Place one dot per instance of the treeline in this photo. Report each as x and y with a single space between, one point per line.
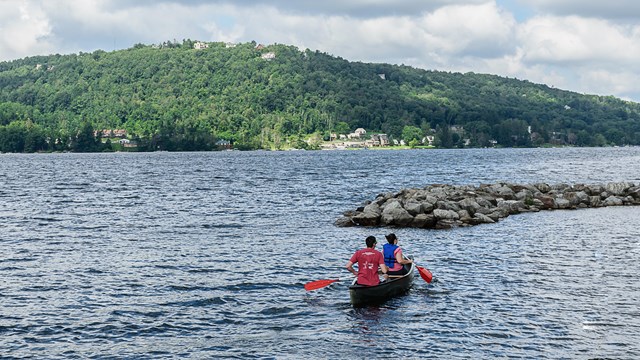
174 97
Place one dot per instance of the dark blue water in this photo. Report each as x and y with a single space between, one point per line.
204 255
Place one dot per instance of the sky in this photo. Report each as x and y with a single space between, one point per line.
586 46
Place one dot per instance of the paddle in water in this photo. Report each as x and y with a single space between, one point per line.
319 284
425 274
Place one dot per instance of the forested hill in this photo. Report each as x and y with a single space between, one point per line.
175 97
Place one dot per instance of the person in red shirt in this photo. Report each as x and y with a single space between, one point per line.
368 260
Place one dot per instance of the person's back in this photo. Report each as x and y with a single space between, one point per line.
390 251
368 260
393 257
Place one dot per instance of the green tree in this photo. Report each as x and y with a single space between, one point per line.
342 128
410 133
444 137
85 139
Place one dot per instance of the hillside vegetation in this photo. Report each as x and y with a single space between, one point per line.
174 97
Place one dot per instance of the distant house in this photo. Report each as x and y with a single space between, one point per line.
199 45
384 139
105 133
358 134
128 143
428 140
269 56
379 140
259 47
382 76
230 45
119 133
223 144
108 133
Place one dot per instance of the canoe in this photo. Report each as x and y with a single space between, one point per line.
365 295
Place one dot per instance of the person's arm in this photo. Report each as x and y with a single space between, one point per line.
351 269
401 260
385 269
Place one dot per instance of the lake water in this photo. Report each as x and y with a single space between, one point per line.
204 255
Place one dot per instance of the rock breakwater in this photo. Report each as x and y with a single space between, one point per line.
446 206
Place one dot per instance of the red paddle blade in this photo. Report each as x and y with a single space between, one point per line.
425 274
318 284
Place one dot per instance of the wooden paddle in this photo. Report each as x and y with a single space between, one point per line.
319 284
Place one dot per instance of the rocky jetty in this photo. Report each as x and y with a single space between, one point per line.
446 206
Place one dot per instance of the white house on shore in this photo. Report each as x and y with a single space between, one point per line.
358 134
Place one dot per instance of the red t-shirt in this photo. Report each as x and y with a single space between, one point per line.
368 261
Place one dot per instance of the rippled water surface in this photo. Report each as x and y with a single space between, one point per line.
204 255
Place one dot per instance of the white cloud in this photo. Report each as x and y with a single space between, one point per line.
24 29
574 40
469 30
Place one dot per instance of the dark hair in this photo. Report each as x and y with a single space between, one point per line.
391 238
370 240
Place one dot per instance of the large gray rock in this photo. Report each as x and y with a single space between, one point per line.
373 208
367 219
547 201
634 192
613 201
463 215
498 213
618 188
594 190
413 207
394 214
502 191
448 205
512 206
595 201
424 221
470 205
481 219
559 188
446 224
542 187
524 194
486 201
442 214
344 221
562 203
577 198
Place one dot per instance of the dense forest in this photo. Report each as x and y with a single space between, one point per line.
175 97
